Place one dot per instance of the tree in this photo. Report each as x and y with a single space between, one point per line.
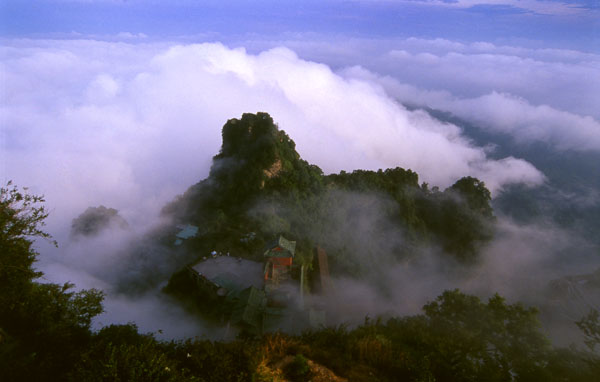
45 326
96 219
21 219
493 341
475 194
590 326
462 217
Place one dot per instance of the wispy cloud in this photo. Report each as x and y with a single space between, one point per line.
541 7
502 113
564 79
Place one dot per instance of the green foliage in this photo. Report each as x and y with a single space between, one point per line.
492 341
119 353
474 193
45 328
95 219
298 370
590 326
21 218
45 325
458 338
272 223
460 218
201 360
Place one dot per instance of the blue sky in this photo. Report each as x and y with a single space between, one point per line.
549 23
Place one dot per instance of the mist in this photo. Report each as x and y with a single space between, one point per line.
378 272
130 126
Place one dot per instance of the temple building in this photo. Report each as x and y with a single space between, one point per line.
279 256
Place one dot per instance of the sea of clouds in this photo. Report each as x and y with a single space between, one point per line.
130 125
90 122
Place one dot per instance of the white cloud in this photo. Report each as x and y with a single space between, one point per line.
130 36
529 123
534 94
104 87
129 126
561 84
501 112
541 7
563 79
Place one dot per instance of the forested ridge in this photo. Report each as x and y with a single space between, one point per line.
259 184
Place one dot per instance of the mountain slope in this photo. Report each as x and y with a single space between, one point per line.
259 186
